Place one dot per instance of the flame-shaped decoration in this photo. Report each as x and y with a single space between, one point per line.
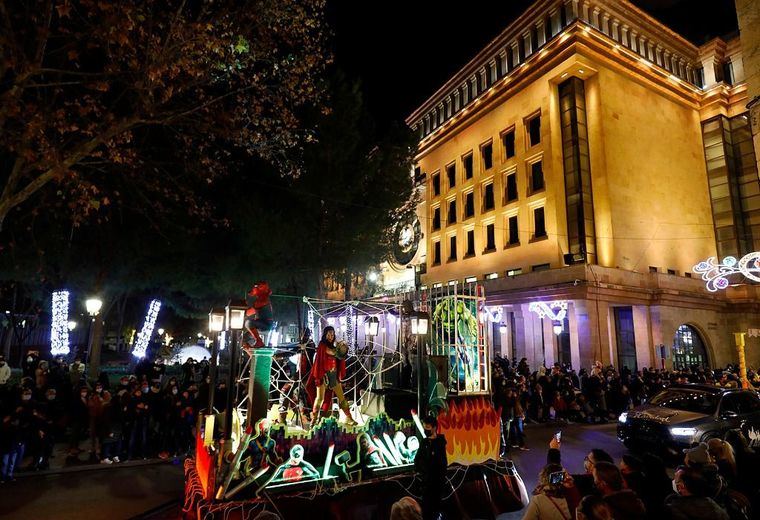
471 427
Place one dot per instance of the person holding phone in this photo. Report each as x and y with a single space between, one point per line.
550 498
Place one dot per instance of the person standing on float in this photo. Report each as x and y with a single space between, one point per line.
327 372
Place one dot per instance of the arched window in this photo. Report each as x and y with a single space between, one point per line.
688 348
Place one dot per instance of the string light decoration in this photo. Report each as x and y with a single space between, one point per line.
716 274
143 337
59 332
556 310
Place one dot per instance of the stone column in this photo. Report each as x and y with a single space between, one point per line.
593 332
572 319
643 336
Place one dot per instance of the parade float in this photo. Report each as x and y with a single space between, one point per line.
405 356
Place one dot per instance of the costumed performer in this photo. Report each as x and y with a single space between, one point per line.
259 315
327 372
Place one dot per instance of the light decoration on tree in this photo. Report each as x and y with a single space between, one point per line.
59 332
556 310
716 274
143 337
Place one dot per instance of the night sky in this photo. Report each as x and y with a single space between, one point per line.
402 51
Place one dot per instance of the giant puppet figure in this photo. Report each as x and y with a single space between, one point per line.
259 316
328 370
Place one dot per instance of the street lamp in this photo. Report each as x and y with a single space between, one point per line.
93 306
234 320
216 320
371 326
503 328
557 328
161 332
215 326
71 325
420 324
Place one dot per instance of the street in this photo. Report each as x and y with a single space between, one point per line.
125 492
116 493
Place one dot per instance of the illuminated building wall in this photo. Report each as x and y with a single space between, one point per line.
566 162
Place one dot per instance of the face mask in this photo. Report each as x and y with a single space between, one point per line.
675 486
144 389
2 363
29 359
51 398
428 432
26 397
98 390
83 395
174 391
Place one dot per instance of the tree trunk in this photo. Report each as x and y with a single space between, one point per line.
9 335
93 367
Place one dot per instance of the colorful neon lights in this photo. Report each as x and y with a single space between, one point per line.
716 274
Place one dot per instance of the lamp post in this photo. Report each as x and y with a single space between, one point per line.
233 323
93 306
215 326
419 323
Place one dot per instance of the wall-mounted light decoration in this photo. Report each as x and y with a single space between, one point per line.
716 274
555 311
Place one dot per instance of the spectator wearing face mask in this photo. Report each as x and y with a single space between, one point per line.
78 420
12 445
29 365
76 372
690 500
138 411
431 464
96 405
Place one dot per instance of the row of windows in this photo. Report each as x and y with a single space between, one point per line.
511 237
488 200
533 138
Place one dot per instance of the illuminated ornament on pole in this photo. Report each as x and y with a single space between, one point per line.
555 311
59 333
143 337
716 274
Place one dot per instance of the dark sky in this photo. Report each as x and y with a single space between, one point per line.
403 51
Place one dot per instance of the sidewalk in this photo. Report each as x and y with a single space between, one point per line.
61 462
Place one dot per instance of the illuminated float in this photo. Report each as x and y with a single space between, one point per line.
271 454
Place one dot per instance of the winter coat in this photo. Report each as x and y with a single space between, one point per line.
544 507
678 507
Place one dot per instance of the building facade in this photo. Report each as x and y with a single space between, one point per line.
579 167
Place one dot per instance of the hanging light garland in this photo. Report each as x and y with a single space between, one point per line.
556 310
59 332
143 337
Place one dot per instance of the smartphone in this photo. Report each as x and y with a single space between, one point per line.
556 478
558 435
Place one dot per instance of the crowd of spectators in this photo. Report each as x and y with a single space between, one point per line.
597 395
715 481
146 414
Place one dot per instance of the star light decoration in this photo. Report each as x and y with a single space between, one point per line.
556 310
59 333
143 337
716 274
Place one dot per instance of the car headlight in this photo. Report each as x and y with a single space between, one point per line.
623 417
683 432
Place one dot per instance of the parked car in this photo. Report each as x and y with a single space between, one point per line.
683 415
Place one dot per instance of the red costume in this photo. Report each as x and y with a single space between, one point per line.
323 363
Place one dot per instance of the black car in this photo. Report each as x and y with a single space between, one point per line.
683 415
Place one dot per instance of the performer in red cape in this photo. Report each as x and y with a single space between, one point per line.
259 316
327 372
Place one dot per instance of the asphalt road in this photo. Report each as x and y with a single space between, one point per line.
121 493
117 493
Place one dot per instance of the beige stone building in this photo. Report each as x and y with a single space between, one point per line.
591 156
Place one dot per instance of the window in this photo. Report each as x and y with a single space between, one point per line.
467 165
539 223
488 202
469 205
452 216
672 271
490 238
511 187
514 234
451 174
652 269
534 130
452 248
540 267
486 153
536 176
471 279
437 252
436 179
514 272
436 218
492 276
508 140
470 243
